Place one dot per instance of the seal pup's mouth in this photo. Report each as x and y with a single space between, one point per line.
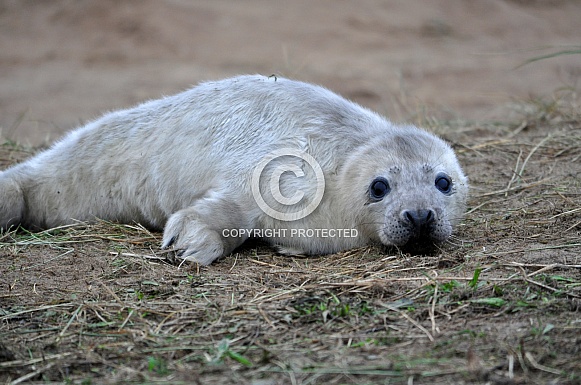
416 230
421 244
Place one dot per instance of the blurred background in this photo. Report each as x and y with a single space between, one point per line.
63 62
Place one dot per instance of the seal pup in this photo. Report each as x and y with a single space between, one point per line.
249 156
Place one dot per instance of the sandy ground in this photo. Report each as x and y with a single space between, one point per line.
63 62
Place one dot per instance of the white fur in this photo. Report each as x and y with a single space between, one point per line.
184 162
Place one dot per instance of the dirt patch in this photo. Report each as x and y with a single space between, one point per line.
500 304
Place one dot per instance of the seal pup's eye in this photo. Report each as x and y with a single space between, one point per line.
378 189
444 183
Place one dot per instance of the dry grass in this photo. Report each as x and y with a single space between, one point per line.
501 304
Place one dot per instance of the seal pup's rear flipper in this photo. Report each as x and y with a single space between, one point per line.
12 203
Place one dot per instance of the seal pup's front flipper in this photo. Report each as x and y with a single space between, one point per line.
200 233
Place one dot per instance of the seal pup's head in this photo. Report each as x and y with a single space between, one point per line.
408 187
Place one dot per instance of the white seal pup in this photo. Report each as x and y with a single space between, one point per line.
250 156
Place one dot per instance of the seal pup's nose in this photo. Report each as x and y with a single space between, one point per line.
418 219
